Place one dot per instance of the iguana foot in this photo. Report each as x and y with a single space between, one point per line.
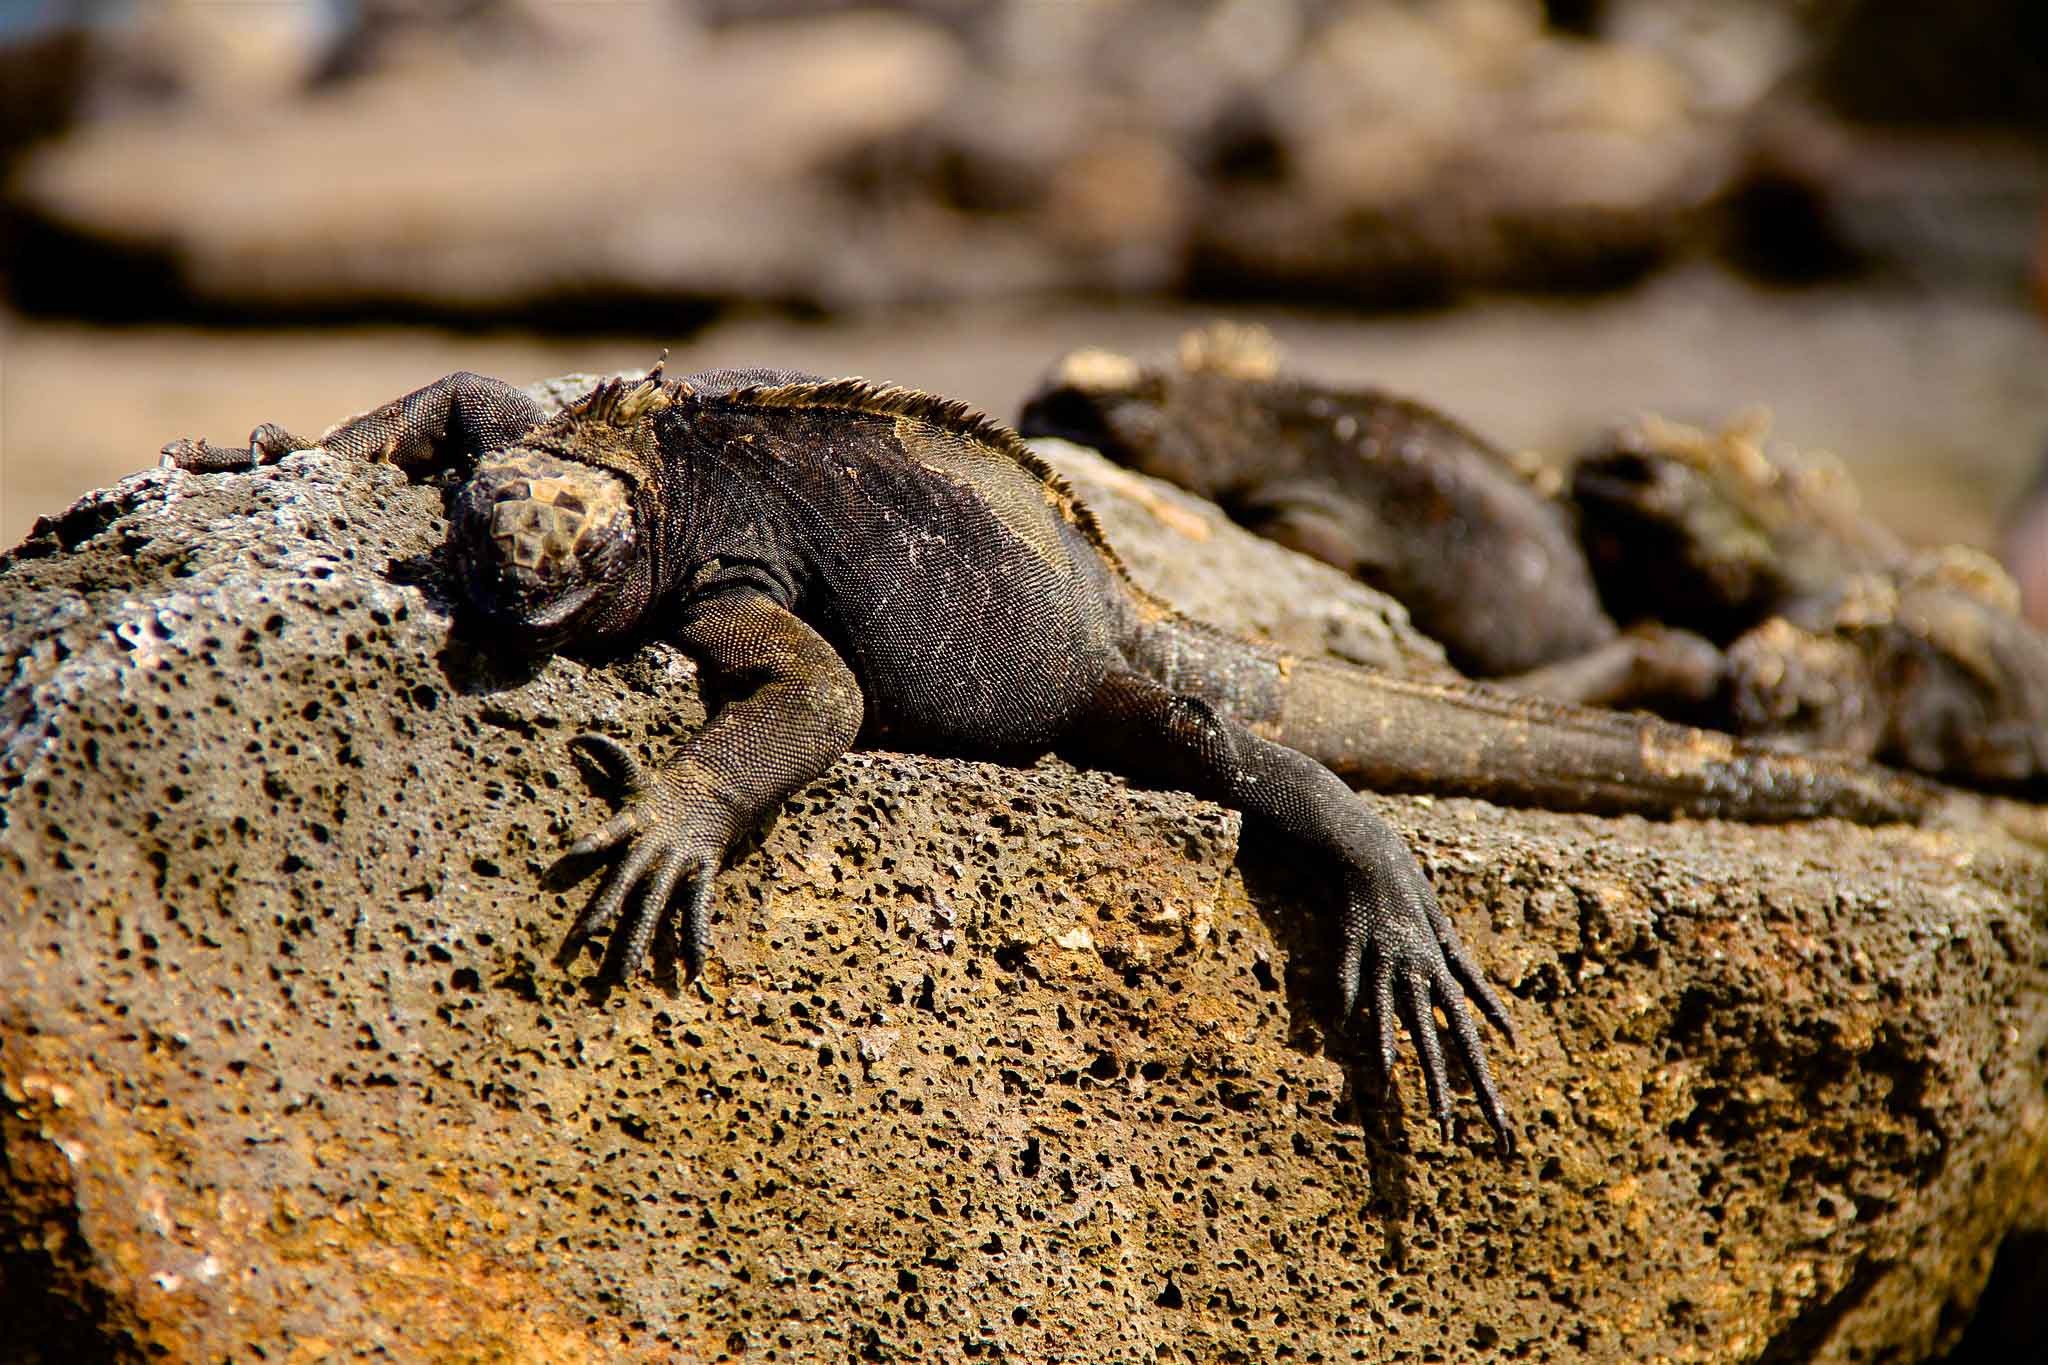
268 444
1400 950
674 829
1403 954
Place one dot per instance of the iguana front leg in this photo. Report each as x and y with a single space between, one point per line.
458 416
1400 951
793 707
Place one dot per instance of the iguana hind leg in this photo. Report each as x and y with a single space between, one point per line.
1400 950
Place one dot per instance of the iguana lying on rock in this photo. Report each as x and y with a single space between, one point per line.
847 561
1837 634
1390 491
1759 597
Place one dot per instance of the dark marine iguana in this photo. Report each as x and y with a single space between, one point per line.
848 561
1386 489
1759 597
1836 633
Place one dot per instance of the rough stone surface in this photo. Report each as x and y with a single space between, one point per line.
992 1063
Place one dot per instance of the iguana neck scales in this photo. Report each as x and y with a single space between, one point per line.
846 560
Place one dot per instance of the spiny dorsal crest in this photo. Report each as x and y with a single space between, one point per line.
949 415
607 427
890 400
1233 350
624 402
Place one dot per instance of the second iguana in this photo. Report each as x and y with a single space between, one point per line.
1757 594
847 561
1390 491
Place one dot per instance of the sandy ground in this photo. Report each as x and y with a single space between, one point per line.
1941 404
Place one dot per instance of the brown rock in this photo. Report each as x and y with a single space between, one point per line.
635 159
991 1062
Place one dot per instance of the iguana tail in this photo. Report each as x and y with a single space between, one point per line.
1454 738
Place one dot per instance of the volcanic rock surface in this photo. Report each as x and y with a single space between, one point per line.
991 1062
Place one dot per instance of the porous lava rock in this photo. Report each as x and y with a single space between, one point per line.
993 1062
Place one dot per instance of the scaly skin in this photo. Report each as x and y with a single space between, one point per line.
1837 635
1387 490
846 561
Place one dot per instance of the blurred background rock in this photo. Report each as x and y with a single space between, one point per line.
1541 216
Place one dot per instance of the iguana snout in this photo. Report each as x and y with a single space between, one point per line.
538 538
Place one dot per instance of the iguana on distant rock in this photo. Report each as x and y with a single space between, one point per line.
1390 491
1837 634
851 561
1759 597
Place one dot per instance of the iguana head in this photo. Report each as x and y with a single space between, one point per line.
549 536
1161 422
1710 530
544 545
1100 399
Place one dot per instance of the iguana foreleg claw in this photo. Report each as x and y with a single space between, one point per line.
674 829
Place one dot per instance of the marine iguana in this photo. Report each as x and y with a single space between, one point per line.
1759 597
1390 491
1836 633
850 561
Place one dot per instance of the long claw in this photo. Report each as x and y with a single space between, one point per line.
613 759
1384 1013
646 919
1466 974
1416 1014
1465 968
610 834
1473 1052
654 901
1350 971
604 911
696 920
